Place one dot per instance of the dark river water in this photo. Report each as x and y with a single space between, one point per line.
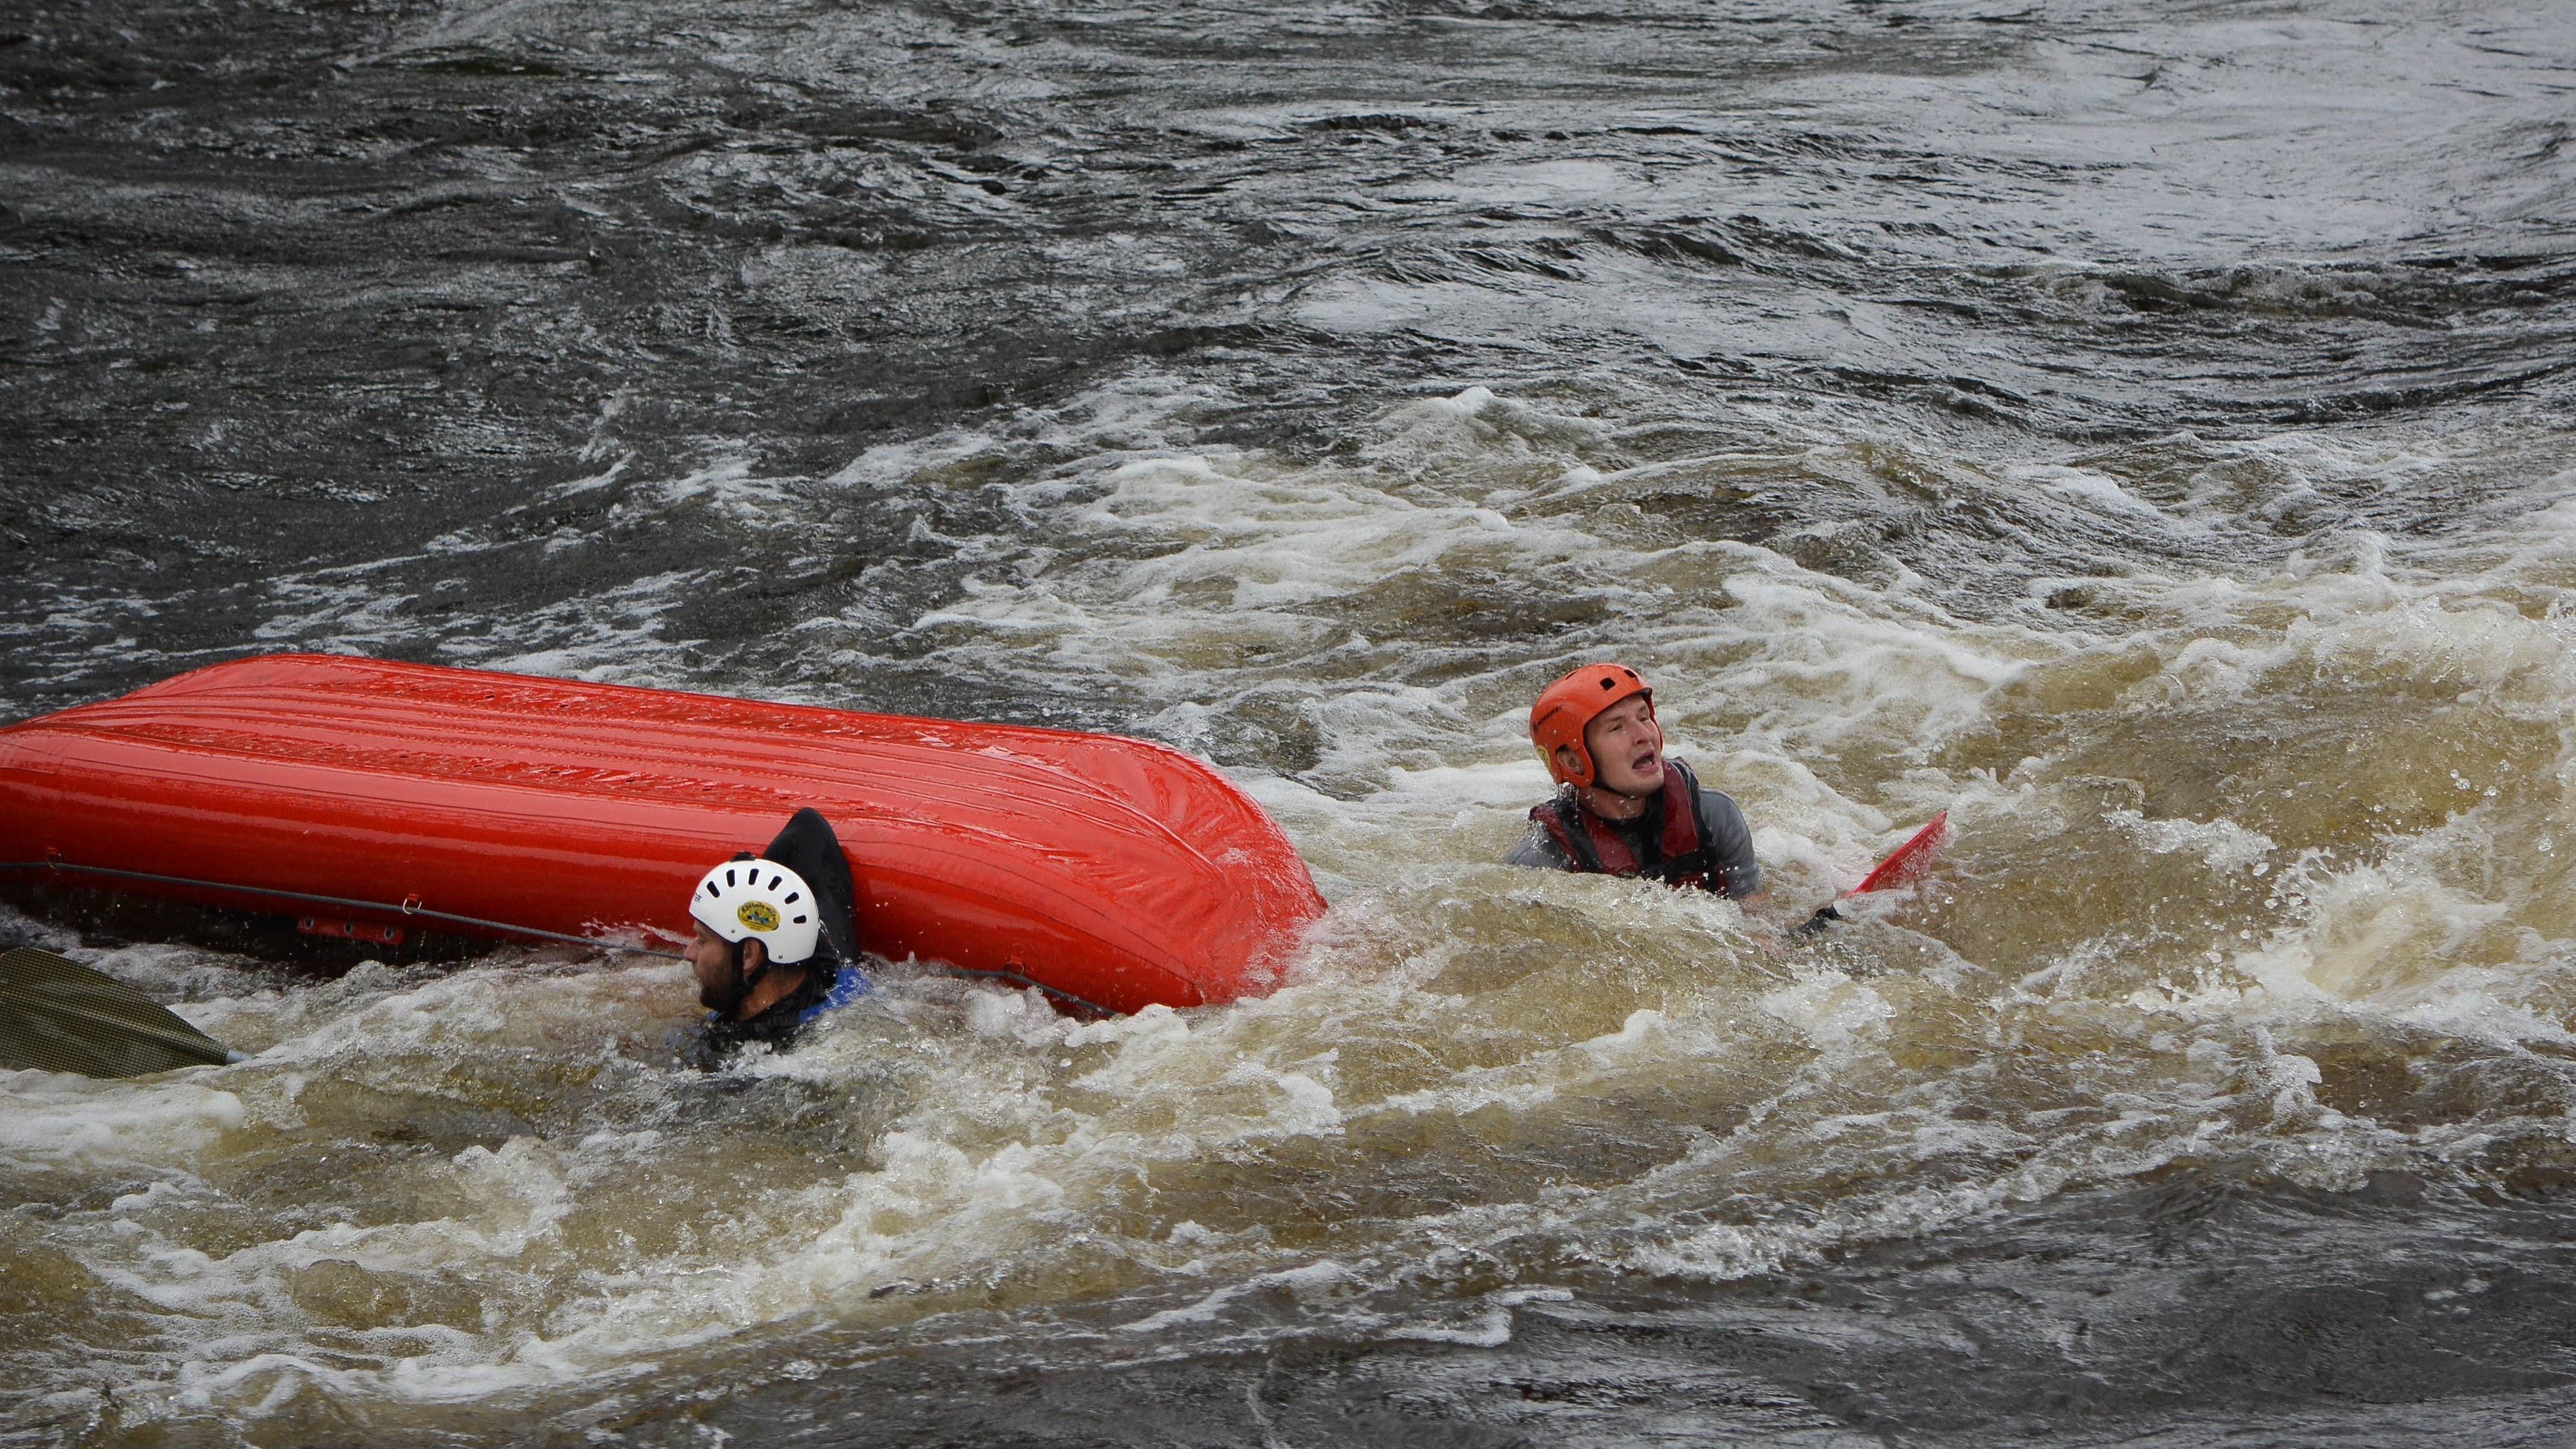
2141 429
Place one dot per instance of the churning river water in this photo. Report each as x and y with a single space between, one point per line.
2141 429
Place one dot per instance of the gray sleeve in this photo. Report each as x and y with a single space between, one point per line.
1537 848
1730 840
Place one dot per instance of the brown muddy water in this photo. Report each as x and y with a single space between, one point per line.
2142 430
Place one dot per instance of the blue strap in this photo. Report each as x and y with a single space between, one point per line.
847 987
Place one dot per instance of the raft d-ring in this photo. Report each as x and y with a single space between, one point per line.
411 905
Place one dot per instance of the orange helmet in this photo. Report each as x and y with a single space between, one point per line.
1565 707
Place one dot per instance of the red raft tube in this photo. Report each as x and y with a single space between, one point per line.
1113 873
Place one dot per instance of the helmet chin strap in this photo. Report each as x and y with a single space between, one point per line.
744 981
749 978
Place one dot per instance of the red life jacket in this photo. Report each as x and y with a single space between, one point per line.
1681 856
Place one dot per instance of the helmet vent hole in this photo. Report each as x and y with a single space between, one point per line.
774 880
792 896
1609 684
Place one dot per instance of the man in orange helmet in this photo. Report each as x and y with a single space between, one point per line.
1621 808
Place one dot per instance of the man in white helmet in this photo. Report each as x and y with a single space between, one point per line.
775 942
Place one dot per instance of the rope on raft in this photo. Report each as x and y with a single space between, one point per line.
421 912
407 908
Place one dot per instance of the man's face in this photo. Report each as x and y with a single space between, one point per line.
710 960
1627 747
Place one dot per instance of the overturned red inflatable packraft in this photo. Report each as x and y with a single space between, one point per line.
1112 872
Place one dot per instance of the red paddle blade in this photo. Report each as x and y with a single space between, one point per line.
1906 864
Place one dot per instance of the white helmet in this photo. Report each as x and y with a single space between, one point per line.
746 898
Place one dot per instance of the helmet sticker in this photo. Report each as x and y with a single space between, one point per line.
757 915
